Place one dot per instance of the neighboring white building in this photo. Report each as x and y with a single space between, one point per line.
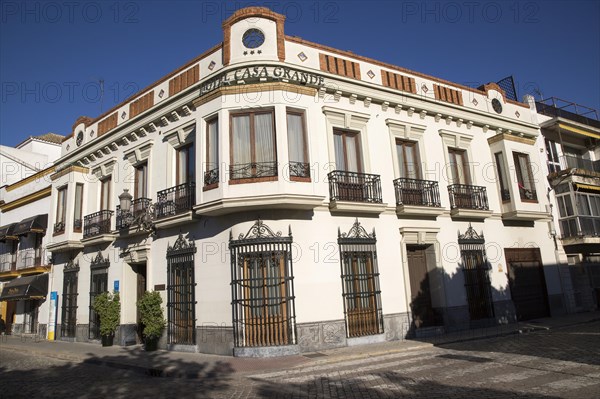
571 138
288 196
24 206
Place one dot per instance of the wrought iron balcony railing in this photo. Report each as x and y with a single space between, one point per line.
30 257
175 200
417 192
97 223
466 196
252 170
580 226
575 162
77 225
211 177
353 186
527 195
59 227
125 217
299 169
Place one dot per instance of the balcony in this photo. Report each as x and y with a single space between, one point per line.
125 217
352 191
30 258
97 228
211 178
467 201
417 197
175 200
59 228
555 107
248 172
568 162
299 171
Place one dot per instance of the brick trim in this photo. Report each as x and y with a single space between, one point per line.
141 104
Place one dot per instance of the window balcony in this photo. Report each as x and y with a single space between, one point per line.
417 197
8 262
581 228
30 258
175 200
253 170
299 171
468 201
97 224
59 228
211 178
125 217
575 162
352 191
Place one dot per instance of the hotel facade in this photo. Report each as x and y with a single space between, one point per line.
284 197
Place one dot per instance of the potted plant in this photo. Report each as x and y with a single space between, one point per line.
108 307
151 316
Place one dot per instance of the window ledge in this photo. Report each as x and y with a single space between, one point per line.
175 220
356 207
470 213
526 215
98 239
584 240
279 201
415 210
252 180
64 246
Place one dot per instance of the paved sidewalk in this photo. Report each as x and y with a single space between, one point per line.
198 365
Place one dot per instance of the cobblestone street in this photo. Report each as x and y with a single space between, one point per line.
559 363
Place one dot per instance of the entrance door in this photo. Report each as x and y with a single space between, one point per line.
31 316
420 305
11 310
141 288
527 283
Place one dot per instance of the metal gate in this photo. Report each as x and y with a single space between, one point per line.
262 284
69 300
98 285
476 271
181 302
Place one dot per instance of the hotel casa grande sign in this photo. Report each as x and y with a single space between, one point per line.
261 74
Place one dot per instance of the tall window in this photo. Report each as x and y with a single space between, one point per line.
105 193
253 152
360 282
181 300
524 177
476 270
459 166
61 210
262 288
297 147
408 159
552 156
141 180
211 174
69 300
77 216
98 284
347 151
186 164
502 177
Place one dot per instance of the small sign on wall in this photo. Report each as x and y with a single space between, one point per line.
159 287
116 286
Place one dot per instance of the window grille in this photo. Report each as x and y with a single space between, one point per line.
262 288
69 300
98 285
181 299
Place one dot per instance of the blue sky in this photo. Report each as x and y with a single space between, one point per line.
53 54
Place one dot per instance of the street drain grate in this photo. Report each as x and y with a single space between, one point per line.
314 355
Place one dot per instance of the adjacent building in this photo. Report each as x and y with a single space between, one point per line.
285 196
24 205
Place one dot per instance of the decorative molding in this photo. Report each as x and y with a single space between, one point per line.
70 169
260 230
356 232
38 176
71 266
182 244
470 236
28 199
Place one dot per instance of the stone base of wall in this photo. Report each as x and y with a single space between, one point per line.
126 335
505 312
456 318
267 351
323 335
214 339
557 305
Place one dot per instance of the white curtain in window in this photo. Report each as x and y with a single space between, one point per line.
265 142
340 164
182 156
351 154
295 138
212 156
411 166
524 167
241 140
78 200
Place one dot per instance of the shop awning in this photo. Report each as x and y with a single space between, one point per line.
587 187
35 224
7 232
30 287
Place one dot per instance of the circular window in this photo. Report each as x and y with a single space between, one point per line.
253 38
79 139
496 105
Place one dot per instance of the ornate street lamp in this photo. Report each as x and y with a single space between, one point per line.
143 216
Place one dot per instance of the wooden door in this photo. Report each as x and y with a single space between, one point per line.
421 308
527 283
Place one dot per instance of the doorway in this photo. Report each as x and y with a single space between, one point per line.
421 306
527 283
140 271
